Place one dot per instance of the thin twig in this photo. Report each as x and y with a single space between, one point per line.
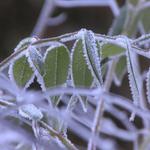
45 13
63 139
100 108
69 37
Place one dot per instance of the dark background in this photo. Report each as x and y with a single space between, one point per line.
18 18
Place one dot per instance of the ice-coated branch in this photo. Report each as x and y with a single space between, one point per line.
73 36
54 134
100 109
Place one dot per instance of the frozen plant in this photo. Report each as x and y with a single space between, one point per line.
71 79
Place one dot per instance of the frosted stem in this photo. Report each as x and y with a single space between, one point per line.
100 108
63 139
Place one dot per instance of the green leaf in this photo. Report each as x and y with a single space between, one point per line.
82 76
120 70
80 71
92 56
56 66
109 50
21 72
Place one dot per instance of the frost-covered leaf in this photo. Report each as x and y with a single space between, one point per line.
81 74
120 70
36 59
92 56
21 72
30 111
133 75
109 50
148 85
56 64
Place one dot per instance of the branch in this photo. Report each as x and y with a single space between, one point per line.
100 107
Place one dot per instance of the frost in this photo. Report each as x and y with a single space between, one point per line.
83 101
142 52
148 85
36 59
91 55
30 112
144 39
69 38
25 42
121 41
76 36
36 72
133 75
47 44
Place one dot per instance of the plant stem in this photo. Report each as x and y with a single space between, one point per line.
54 134
100 107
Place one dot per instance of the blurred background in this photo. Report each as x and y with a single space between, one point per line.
18 19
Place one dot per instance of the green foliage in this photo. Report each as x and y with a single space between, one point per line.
92 56
120 70
109 50
81 74
56 66
21 71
